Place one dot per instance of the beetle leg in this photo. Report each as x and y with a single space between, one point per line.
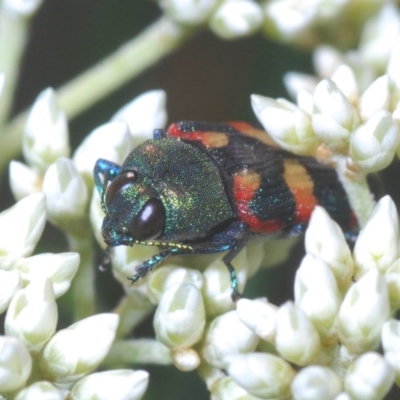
144 268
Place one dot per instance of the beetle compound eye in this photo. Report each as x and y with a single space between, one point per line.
122 181
150 221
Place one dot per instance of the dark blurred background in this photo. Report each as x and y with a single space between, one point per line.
207 79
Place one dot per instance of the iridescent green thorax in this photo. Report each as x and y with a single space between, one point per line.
189 184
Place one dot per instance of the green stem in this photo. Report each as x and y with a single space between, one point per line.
356 186
13 37
132 309
139 351
157 41
83 285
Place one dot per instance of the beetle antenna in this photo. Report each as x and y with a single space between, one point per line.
105 260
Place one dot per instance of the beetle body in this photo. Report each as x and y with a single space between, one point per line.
206 188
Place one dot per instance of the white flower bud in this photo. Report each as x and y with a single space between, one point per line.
343 396
346 82
180 317
378 37
295 82
66 194
392 276
316 383
288 21
375 98
29 215
324 239
296 338
111 141
58 268
185 359
217 287
10 283
374 143
227 335
15 364
259 316
391 345
370 377
77 350
191 12
227 389
364 310
317 294
122 384
305 101
168 275
327 60
96 216
377 245
144 114
45 138
393 65
21 8
287 124
42 390
23 180
236 18
333 118
32 315
262 375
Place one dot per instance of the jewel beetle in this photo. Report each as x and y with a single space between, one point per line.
201 188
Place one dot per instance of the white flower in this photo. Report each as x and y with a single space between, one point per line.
185 359
377 245
32 315
333 118
120 384
392 276
317 294
164 277
296 82
180 317
346 82
324 239
316 383
191 12
227 335
296 338
262 375
2 83
327 60
364 310
379 35
393 68
45 138
144 114
375 98
259 316
226 388
287 124
391 345
236 18
374 143
66 194
29 215
370 377
58 268
10 283
42 390
77 350
21 8
111 141
23 180
15 364
290 19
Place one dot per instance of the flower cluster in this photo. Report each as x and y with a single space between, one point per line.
34 358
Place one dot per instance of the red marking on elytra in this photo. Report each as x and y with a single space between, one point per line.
305 204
